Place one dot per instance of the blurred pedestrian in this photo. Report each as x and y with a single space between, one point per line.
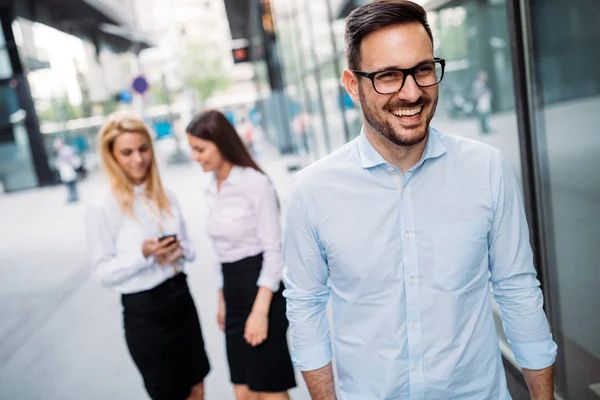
300 126
247 132
67 162
243 224
483 101
404 229
138 245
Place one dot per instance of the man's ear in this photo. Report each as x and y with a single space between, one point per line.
350 81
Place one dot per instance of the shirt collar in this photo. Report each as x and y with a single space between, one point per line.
139 190
235 176
369 157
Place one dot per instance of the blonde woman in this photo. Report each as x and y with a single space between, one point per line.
138 245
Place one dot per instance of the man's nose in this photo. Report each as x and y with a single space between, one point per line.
410 92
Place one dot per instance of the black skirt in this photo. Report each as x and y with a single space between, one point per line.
164 338
266 367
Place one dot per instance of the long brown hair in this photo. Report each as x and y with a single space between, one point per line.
213 126
115 125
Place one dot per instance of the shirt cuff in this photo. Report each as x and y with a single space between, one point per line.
144 262
218 275
271 284
188 253
535 355
313 357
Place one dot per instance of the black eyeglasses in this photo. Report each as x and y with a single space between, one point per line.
391 80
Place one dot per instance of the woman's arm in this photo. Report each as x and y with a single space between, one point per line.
269 281
109 268
269 233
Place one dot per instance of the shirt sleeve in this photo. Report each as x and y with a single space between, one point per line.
109 268
189 254
307 292
516 288
269 233
218 270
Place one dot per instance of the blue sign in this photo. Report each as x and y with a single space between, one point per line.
125 96
140 85
163 129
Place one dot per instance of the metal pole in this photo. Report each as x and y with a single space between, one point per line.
317 74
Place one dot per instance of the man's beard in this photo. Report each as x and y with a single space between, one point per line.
386 129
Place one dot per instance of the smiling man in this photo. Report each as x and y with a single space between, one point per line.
404 228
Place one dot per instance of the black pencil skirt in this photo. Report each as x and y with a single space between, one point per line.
164 338
266 367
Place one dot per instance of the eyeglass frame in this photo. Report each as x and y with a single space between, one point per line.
405 73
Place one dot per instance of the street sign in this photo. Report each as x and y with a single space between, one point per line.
125 96
140 85
163 129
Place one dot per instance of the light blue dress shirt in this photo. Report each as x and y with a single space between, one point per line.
407 260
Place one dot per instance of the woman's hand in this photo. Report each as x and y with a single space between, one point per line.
221 310
221 316
170 258
257 326
166 251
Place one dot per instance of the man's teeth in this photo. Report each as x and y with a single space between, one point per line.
407 112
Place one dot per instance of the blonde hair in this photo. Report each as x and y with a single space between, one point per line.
115 125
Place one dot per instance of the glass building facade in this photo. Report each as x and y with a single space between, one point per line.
17 163
25 153
539 62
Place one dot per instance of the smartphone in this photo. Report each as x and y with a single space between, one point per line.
167 236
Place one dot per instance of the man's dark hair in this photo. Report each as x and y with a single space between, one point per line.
377 15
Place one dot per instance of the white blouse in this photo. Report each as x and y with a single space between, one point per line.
115 240
244 221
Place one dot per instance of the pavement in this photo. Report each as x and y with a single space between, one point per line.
61 334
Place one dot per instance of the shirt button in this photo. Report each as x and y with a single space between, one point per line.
409 235
413 280
405 190
391 169
415 367
415 324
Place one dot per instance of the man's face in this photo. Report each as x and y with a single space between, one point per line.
403 118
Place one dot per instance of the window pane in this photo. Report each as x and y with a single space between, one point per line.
5 67
476 94
16 164
568 84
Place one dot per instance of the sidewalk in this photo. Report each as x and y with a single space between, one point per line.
60 332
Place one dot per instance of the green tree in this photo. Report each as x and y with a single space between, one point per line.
204 70
60 110
109 105
158 94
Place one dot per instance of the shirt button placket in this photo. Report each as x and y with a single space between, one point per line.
413 303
